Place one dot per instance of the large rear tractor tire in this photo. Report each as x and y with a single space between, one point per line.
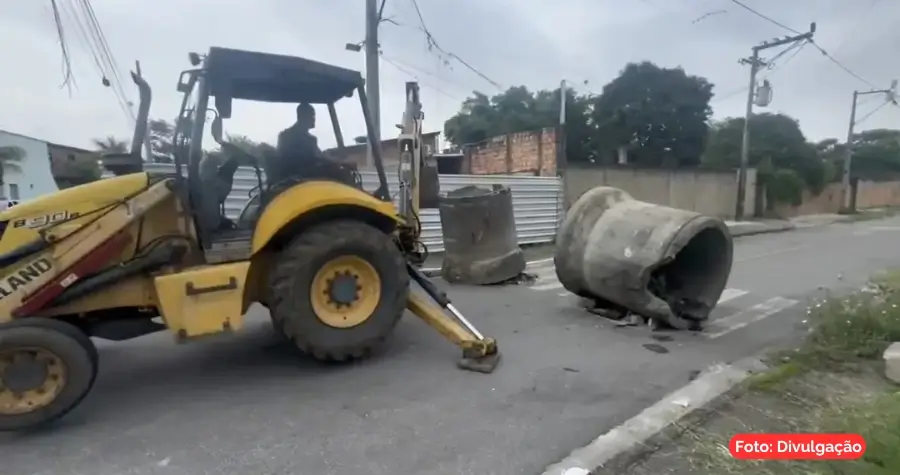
47 367
339 289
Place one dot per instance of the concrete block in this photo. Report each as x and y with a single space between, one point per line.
892 362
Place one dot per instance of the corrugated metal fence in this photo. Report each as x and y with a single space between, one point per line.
537 201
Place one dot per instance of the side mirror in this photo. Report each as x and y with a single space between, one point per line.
216 130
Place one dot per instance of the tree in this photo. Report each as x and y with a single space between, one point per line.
10 159
78 172
876 155
786 163
659 115
519 110
110 144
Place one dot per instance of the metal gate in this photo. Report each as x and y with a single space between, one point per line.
537 201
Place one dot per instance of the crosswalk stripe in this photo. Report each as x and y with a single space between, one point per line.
546 276
731 294
747 316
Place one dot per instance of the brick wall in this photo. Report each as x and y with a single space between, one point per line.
532 152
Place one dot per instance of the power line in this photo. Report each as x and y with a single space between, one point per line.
821 50
411 74
795 47
841 65
872 112
433 45
764 17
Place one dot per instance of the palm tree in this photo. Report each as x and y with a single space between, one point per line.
111 144
10 158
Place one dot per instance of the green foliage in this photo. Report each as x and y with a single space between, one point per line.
659 114
787 163
78 172
784 186
161 134
520 110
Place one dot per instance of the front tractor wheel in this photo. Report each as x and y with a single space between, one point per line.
339 289
47 367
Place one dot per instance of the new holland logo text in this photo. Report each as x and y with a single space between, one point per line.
23 276
41 221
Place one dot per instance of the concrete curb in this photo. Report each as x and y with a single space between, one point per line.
637 431
754 232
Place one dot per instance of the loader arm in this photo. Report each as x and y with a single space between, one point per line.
480 353
66 255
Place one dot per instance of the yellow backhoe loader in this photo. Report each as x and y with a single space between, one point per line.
332 263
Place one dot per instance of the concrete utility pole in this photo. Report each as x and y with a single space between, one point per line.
372 83
847 204
755 64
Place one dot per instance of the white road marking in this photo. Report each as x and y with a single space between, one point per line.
551 282
749 315
709 385
731 294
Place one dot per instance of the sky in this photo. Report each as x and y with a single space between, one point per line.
535 43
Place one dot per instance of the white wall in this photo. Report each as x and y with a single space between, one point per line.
32 174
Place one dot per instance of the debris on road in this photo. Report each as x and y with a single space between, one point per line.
667 265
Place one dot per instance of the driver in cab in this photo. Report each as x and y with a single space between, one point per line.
296 146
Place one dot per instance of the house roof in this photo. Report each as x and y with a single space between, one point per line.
51 144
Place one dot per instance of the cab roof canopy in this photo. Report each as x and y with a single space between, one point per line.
265 77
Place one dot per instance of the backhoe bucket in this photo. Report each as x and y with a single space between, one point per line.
662 263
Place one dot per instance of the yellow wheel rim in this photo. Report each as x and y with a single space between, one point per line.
345 292
30 379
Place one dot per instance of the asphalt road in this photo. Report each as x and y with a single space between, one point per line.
244 405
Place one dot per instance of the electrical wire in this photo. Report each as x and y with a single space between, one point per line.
841 65
821 50
764 17
81 13
872 112
771 65
433 45
407 70
68 79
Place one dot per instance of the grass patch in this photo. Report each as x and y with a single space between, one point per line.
832 383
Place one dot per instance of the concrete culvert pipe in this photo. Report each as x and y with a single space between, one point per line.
480 240
663 263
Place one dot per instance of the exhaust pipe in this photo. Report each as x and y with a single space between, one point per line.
131 162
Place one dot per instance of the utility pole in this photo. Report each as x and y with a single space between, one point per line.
372 84
755 64
847 204
561 161
848 157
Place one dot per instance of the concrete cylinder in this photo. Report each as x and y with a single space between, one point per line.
480 242
663 263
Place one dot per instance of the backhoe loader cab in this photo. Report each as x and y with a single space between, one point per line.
226 75
113 258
